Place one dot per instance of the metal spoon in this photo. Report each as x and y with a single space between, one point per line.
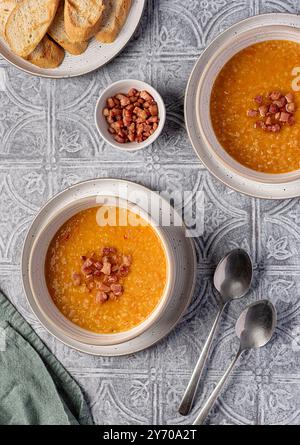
255 328
232 279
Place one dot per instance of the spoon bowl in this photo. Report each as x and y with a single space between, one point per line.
233 275
256 324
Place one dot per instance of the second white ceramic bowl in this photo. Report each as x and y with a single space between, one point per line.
123 86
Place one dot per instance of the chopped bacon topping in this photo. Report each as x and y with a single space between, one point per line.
103 273
117 289
275 111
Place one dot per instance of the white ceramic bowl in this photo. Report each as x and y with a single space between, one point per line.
197 106
123 86
37 282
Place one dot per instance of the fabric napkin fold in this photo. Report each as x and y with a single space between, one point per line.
35 389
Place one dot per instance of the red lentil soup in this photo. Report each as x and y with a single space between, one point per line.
106 279
245 84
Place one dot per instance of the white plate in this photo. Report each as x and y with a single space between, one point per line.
213 163
183 252
94 57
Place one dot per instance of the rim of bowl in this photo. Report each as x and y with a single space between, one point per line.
211 139
120 337
132 146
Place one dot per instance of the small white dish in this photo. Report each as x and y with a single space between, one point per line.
94 57
197 106
123 86
181 258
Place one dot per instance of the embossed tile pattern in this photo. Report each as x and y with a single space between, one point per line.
48 141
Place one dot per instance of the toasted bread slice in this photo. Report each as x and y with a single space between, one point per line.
58 33
6 7
47 54
114 17
28 23
83 18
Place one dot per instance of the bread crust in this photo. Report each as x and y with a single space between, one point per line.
81 32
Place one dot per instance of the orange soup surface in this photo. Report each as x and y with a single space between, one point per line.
256 71
142 287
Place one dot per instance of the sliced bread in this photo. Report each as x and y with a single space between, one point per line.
28 23
47 54
83 18
6 6
58 33
114 17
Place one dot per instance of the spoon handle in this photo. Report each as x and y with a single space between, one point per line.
189 395
216 392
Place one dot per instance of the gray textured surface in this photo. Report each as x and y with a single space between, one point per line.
48 140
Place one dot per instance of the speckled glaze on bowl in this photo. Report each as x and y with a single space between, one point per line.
197 106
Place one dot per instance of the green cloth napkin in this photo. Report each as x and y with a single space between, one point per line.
35 389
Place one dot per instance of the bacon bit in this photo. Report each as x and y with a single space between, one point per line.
108 250
273 108
83 257
257 124
277 116
124 100
274 114
91 285
284 117
112 296
276 128
153 110
291 120
280 102
250 113
258 99
112 279
268 121
98 265
103 287
263 109
88 262
132 92
110 102
101 297
117 289
146 96
76 277
123 270
86 270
